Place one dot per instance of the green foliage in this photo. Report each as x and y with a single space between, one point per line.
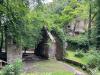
98 25
73 10
32 32
93 36
77 42
59 33
36 19
79 54
12 69
71 55
94 59
79 39
12 21
25 25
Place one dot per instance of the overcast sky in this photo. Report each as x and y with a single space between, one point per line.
32 3
47 1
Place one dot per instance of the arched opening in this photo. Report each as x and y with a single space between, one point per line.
50 46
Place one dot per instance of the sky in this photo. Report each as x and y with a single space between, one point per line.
32 3
48 1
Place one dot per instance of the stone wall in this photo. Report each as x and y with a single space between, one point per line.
50 46
59 49
14 52
52 50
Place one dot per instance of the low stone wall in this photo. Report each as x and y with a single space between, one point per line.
74 62
83 66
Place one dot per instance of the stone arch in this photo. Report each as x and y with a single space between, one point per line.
50 46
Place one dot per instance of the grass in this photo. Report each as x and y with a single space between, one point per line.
98 73
0 73
84 60
71 55
51 73
48 67
48 73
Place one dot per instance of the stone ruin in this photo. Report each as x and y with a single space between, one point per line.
50 46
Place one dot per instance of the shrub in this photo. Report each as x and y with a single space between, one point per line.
17 67
77 42
94 59
12 69
79 54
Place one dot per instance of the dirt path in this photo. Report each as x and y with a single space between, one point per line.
39 65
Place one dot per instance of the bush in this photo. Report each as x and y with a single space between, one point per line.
79 39
94 59
77 42
79 54
12 69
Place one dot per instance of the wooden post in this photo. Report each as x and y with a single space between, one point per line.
0 64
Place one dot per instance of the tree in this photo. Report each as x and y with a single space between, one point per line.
1 28
92 14
12 20
89 26
98 25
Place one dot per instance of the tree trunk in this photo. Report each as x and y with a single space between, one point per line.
89 26
98 26
1 44
6 28
6 41
74 28
1 29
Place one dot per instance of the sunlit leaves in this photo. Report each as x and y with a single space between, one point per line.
75 9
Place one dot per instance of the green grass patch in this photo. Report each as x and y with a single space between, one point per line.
71 55
48 67
98 73
50 73
0 73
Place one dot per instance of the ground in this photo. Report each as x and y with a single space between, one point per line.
49 66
